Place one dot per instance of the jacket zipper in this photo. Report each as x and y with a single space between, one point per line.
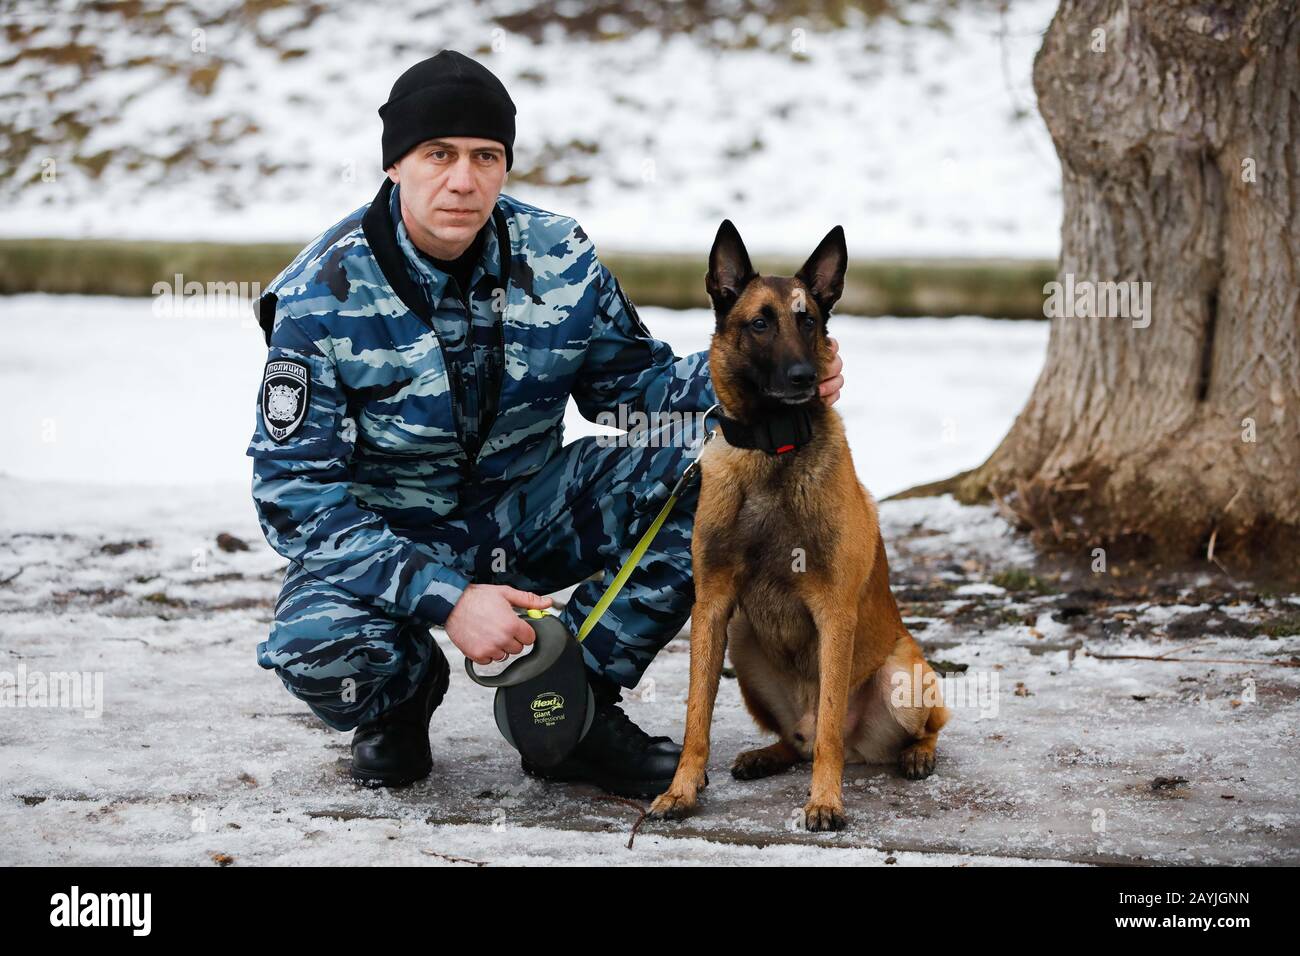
469 341
501 377
503 267
449 369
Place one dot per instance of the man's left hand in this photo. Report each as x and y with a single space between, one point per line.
833 382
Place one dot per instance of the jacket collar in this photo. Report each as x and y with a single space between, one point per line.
785 431
384 245
422 268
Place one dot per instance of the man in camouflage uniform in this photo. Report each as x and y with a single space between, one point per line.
408 455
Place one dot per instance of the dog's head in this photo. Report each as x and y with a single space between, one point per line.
769 347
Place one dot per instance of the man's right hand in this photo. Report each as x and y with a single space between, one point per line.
484 625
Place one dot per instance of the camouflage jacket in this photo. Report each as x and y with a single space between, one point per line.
357 456
466 323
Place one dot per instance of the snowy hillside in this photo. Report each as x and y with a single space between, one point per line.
242 120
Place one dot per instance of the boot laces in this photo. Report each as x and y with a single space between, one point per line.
621 725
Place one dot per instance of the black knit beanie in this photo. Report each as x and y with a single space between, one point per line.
446 95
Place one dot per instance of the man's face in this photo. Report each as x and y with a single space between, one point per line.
449 187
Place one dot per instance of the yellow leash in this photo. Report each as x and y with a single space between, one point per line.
638 552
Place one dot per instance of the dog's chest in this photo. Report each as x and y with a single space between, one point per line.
777 544
772 548
779 540
768 540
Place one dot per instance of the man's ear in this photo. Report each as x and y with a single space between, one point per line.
729 269
392 174
823 273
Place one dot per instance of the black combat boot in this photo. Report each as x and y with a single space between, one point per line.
616 755
393 749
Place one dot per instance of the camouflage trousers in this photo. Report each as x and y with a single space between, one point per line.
577 516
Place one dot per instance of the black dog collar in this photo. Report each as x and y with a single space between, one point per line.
787 431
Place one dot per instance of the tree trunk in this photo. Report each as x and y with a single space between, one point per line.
1178 155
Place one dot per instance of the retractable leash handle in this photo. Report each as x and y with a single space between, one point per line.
544 706
548 643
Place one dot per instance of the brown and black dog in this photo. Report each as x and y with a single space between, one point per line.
789 565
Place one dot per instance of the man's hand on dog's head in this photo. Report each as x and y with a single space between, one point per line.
834 381
483 624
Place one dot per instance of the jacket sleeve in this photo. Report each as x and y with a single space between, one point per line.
626 365
302 493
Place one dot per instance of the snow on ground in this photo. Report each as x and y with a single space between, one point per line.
197 755
241 122
110 565
101 389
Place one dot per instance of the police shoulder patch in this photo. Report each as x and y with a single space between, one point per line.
286 394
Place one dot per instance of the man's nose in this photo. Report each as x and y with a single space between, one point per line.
461 179
800 375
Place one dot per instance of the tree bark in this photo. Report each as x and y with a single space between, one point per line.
1138 438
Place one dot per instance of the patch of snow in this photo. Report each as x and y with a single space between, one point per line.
107 389
198 752
981 587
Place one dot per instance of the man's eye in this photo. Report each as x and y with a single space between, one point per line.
487 157
438 154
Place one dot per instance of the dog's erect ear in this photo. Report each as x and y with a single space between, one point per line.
823 273
729 269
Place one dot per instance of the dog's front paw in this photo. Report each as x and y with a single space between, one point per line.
823 816
917 763
671 805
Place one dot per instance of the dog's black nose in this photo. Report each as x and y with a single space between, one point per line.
801 375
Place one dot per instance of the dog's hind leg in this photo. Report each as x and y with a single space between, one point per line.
764 761
926 715
917 761
902 712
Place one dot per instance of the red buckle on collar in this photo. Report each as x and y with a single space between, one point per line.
784 448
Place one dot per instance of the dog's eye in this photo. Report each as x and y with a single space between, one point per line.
809 320
758 325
